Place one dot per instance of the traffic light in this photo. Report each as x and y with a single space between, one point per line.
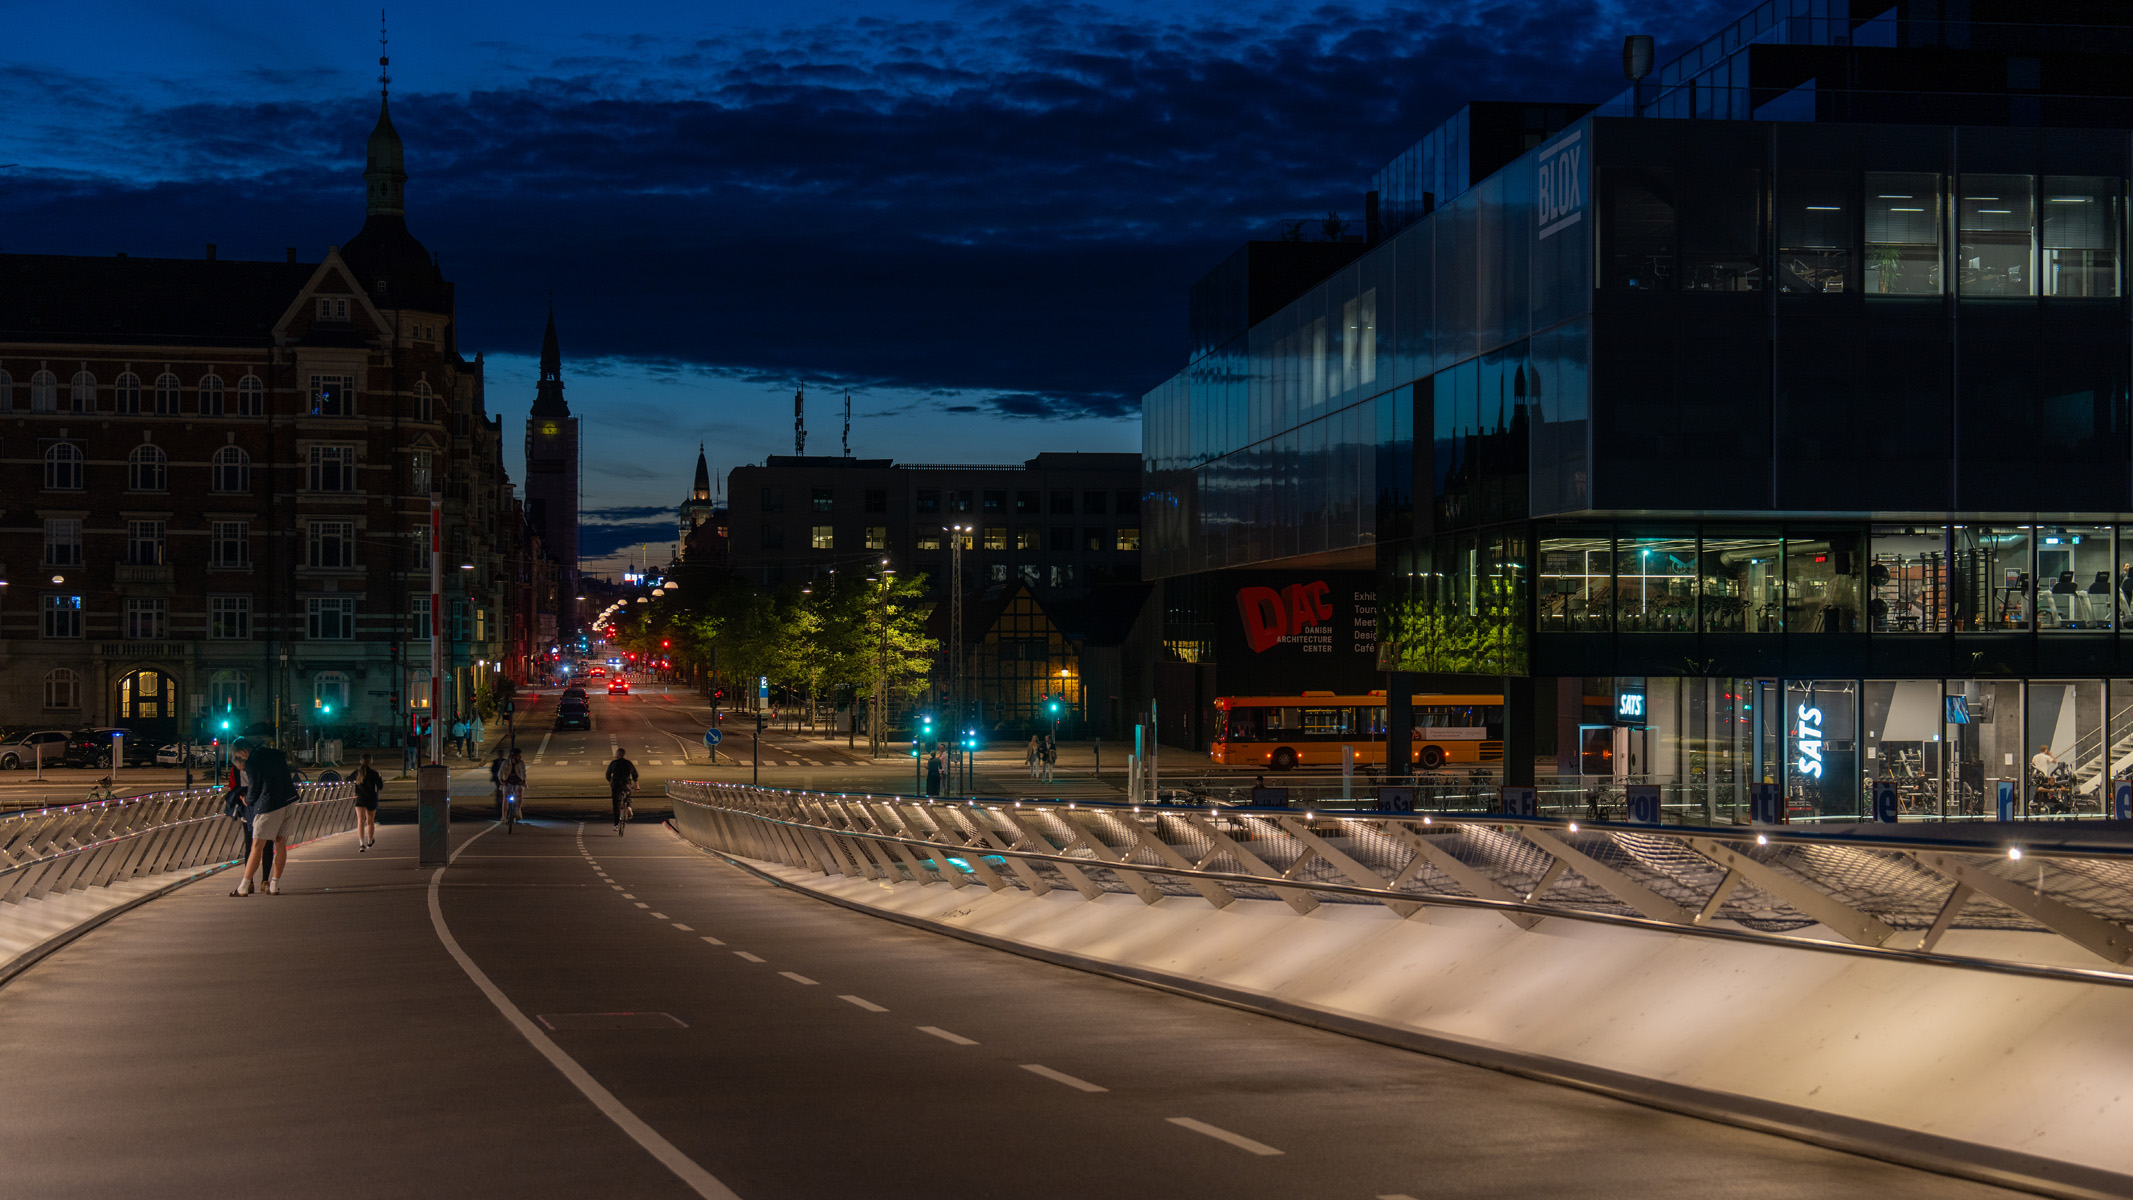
1051 706
665 644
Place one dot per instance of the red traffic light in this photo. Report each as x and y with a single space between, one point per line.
664 644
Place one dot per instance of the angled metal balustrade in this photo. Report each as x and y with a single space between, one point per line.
1876 896
52 851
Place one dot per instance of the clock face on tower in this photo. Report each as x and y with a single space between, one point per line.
550 429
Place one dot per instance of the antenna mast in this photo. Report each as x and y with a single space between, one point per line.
847 422
384 61
799 422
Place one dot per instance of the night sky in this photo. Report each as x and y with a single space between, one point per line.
981 218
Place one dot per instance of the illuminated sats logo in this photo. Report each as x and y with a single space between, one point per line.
1807 743
1630 705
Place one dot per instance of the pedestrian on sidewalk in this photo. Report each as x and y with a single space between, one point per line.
1050 754
270 800
458 739
621 780
368 784
1030 756
933 774
238 809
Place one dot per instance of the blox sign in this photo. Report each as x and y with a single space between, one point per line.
1559 184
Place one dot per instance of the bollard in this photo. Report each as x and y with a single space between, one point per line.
433 812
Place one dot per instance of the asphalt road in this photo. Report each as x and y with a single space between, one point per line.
328 1043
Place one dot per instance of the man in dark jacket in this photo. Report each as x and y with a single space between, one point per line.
269 803
621 780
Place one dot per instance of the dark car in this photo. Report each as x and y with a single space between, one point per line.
572 714
573 693
92 748
21 749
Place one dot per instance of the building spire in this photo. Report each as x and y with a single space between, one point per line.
385 159
548 393
702 489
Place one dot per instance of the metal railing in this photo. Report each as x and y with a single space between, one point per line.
1883 896
46 852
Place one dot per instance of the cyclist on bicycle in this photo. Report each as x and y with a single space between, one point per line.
621 781
512 782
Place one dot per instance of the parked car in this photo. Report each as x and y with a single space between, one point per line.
176 754
92 748
21 750
618 686
573 716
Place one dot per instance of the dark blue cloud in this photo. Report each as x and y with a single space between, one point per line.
1008 206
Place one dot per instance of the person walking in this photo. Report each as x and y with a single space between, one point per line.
368 784
269 801
1030 756
457 742
1050 754
514 783
933 774
477 735
621 781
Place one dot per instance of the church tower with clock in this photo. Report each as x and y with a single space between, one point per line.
552 479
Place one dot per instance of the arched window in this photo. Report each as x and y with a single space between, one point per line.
425 402
211 396
62 689
7 392
62 468
418 685
44 392
148 469
83 398
166 395
230 470
227 691
251 397
126 393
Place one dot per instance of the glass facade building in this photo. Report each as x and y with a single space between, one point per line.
1793 380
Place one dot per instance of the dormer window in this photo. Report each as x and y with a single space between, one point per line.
333 308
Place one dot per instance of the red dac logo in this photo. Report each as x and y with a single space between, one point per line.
1270 615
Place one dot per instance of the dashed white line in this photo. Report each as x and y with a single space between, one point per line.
1220 1134
868 1005
628 896
616 886
714 941
748 956
1062 1077
683 928
953 1038
1397 1196
798 978
661 917
642 904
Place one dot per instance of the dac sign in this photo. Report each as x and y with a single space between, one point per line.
1559 185
1270 616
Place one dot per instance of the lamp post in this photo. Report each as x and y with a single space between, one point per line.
955 647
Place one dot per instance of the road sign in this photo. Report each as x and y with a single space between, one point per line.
1643 803
1885 801
713 737
762 687
1766 804
1520 802
2122 801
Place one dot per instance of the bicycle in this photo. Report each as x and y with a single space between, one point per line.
512 815
628 813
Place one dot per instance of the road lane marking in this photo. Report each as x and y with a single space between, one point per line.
1220 1134
868 1005
616 886
1062 1077
683 928
749 957
944 1035
662 916
1397 1196
628 896
702 1182
714 941
798 978
642 904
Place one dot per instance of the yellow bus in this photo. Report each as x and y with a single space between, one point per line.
1286 731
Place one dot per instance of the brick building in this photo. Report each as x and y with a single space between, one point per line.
217 476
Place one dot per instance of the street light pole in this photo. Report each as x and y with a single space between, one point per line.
955 649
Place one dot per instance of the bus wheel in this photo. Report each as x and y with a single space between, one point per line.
1284 759
1432 758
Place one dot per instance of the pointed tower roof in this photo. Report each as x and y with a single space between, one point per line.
702 489
389 263
548 394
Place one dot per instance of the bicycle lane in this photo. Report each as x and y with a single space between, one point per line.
794 1049
321 1041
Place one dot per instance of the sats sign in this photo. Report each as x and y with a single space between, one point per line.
1291 612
